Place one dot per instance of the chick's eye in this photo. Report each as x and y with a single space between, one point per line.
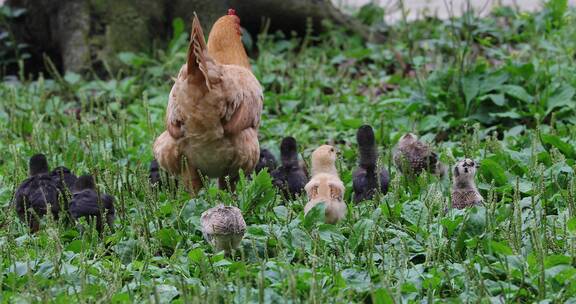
332 150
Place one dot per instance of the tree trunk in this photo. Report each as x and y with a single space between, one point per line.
83 35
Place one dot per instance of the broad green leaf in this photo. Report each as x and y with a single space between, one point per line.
315 215
470 87
517 92
75 246
554 260
361 231
281 212
356 279
499 248
571 225
555 141
329 233
382 296
492 171
497 99
168 237
299 239
196 255
493 82
122 297
166 293
564 97
451 224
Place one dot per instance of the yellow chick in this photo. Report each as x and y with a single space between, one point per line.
325 185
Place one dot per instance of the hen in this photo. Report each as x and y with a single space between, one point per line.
325 185
213 111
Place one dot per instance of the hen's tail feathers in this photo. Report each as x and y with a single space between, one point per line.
197 67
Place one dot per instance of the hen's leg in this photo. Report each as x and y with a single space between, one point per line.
192 179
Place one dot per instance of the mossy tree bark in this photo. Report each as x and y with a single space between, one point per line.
83 35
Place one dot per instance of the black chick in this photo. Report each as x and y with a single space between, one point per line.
36 194
89 204
291 176
65 180
160 179
267 160
367 179
155 176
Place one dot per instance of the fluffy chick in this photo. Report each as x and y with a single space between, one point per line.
325 185
89 204
37 194
367 179
291 177
464 191
223 227
65 180
155 177
412 157
267 160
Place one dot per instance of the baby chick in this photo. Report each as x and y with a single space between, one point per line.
325 185
367 179
65 180
154 176
412 157
223 227
291 177
267 160
36 194
88 203
464 191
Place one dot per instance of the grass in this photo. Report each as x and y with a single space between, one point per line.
498 89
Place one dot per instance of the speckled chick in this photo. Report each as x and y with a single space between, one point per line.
89 204
325 185
367 179
37 194
412 157
223 227
464 191
291 177
267 160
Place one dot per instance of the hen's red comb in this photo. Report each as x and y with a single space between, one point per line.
231 12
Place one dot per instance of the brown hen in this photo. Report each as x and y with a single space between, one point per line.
213 111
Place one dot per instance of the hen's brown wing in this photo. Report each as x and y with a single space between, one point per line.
244 101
